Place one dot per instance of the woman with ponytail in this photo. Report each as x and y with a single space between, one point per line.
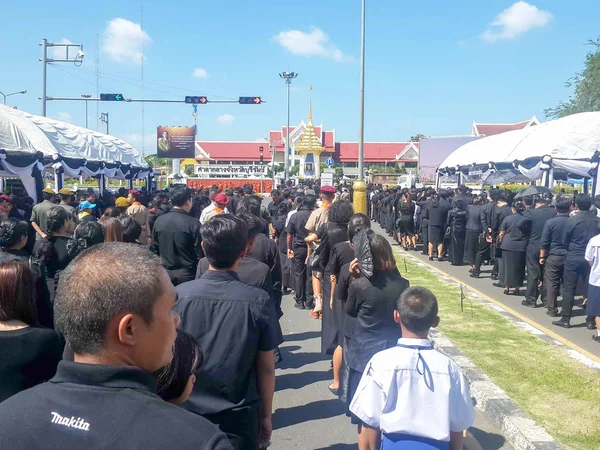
52 250
86 235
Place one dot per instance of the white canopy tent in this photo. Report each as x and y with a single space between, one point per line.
571 144
71 150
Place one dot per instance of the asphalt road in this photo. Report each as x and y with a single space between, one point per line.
578 334
306 415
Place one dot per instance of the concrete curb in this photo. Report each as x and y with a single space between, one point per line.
519 429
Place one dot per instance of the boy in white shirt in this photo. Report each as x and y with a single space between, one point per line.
414 395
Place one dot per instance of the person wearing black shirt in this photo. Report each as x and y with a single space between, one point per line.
501 212
121 327
553 252
436 215
513 239
457 221
298 250
473 231
579 230
52 249
487 241
539 216
29 354
372 301
424 205
280 238
176 238
235 385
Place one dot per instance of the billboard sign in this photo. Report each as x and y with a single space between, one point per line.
175 142
222 170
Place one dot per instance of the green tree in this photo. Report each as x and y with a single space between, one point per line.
295 169
586 87
155 161
278 169
189 170
339 173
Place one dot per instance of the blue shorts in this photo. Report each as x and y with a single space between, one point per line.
408 442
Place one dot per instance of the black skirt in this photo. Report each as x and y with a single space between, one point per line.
407 226
471 246
436 234
329 327
287 277
514 267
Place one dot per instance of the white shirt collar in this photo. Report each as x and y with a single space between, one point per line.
417 342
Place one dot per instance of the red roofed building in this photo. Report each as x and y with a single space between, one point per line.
490 129
311 146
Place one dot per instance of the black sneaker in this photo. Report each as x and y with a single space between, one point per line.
563 323
300 305
596 338
590 325
309 305
529 304
498 284
474 275
553 313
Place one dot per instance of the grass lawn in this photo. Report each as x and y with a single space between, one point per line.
559 393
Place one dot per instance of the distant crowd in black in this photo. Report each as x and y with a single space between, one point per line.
534 241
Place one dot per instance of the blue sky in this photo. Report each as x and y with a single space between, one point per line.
432 65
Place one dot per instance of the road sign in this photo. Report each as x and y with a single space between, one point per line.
196 100
250 101
329 161
112 97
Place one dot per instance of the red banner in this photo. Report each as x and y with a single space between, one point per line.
224 183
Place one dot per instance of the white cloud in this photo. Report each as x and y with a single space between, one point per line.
315 42
61 52
200 73
515 20
123 40
147 143
64 117
225 119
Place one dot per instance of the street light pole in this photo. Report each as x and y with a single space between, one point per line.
12 93
360 195
86 96
288 77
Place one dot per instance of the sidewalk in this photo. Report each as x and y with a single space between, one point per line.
307 416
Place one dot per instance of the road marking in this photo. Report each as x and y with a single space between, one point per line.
508 309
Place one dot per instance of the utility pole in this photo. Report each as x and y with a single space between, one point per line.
77 60
104 118
288 77
360 194
86 96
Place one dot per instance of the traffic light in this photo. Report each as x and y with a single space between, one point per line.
196 100
250 101
262 161
112 97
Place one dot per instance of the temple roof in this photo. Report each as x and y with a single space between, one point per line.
310 142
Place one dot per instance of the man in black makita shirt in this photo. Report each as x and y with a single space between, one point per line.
539 216
121 327
553 252
176 238
579 230
297 248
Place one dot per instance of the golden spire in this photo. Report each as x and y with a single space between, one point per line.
310 104
310 142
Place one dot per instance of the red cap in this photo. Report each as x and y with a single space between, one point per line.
134 192
5 198
221 199
328 189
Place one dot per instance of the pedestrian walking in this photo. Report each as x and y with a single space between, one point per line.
513 239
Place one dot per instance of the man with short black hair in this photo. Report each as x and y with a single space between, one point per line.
298 250
236 383
114 306
579 230
553 252
540 215
176 238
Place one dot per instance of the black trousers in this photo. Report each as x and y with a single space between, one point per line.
241 425
300 273
576 269
425 235
553 273
179 276
535 275
485 248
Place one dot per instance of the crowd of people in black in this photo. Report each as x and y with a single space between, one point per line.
146 321
533 241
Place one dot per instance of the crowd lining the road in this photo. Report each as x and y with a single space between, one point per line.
139 321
